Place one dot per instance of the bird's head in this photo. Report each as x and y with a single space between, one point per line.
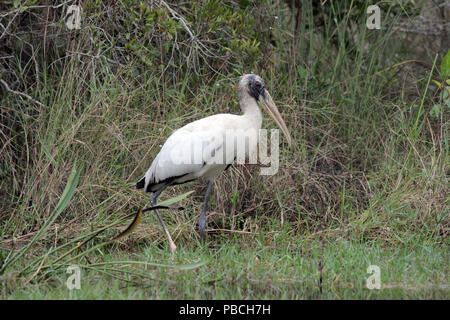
252 85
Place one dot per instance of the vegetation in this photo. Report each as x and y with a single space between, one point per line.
84 111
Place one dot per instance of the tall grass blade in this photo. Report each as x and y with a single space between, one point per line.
63 202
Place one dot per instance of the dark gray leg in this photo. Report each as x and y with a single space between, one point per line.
202 219
153 198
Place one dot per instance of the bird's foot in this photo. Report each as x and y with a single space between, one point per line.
173 247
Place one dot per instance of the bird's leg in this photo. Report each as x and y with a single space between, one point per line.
153 198
202 219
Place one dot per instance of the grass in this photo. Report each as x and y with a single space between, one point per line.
365 183
264 266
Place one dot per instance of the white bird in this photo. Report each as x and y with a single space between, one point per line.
199 149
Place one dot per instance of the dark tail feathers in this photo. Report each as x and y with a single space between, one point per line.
140 184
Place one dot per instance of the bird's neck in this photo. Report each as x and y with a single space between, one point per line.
251 111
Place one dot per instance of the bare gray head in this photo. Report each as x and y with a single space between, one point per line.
251 85
251 90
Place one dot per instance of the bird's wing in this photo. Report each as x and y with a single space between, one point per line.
189 149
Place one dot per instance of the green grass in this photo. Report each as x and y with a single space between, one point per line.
243 267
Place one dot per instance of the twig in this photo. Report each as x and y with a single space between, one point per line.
10 21
34 7
20 93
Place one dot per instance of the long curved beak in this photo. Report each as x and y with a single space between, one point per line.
273 112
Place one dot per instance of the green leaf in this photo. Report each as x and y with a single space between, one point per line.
171 201
438 84
445 65
302 72
348 100
435 111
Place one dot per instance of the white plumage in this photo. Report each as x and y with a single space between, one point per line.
200 149
209 136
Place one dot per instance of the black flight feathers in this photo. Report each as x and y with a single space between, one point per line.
140 184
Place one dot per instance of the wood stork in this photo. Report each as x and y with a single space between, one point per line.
207 136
